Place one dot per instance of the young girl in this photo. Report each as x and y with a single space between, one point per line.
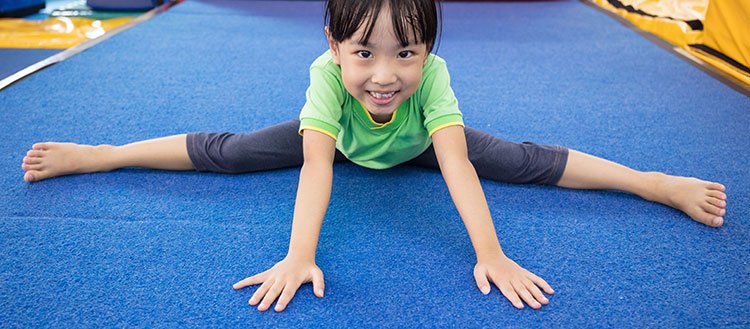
378 98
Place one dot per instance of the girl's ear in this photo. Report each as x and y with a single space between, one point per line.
334 47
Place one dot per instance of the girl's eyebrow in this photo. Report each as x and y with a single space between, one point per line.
370 44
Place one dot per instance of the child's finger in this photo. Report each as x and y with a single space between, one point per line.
510 294
271 295
286 295
526 295
250 281
535 292
540 282
318 282
260 292
480 276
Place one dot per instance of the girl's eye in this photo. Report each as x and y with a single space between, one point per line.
405 54
364 54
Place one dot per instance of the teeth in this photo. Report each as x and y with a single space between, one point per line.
381 96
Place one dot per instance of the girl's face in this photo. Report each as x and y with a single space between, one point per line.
380 74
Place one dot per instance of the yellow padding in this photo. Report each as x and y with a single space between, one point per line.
710 59
727 29
686 10
58 32
675 31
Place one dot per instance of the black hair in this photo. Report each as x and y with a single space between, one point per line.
418 18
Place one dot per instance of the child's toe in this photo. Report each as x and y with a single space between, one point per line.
716 194
29 177
31 160
714 210
27 166
34 153
716 186
36 175
40 146
717 202
705 218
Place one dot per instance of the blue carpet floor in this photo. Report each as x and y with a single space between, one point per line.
147 248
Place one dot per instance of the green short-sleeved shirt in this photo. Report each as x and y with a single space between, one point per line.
332 110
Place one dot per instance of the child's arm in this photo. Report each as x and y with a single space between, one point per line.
463 184
313 194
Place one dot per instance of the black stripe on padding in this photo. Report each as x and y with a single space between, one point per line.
721 56
694 24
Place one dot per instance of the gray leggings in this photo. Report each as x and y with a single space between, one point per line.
280 146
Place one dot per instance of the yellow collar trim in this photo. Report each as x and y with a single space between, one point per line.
379 125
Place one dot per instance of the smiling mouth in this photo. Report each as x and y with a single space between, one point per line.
382 98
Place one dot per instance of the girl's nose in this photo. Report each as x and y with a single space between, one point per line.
384 75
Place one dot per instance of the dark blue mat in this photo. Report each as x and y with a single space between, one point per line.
148 248
13 60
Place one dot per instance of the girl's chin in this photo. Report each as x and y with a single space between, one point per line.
379 109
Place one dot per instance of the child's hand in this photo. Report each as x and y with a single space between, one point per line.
512 280
283 278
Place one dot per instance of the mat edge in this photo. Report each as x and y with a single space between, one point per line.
75 50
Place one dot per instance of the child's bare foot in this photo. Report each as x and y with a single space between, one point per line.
703 201
47 160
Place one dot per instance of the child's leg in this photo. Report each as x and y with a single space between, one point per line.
529 163
47 160
703 201
275 147
508 162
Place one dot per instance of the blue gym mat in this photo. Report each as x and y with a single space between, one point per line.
148 248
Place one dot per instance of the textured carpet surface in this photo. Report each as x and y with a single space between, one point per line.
137 247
